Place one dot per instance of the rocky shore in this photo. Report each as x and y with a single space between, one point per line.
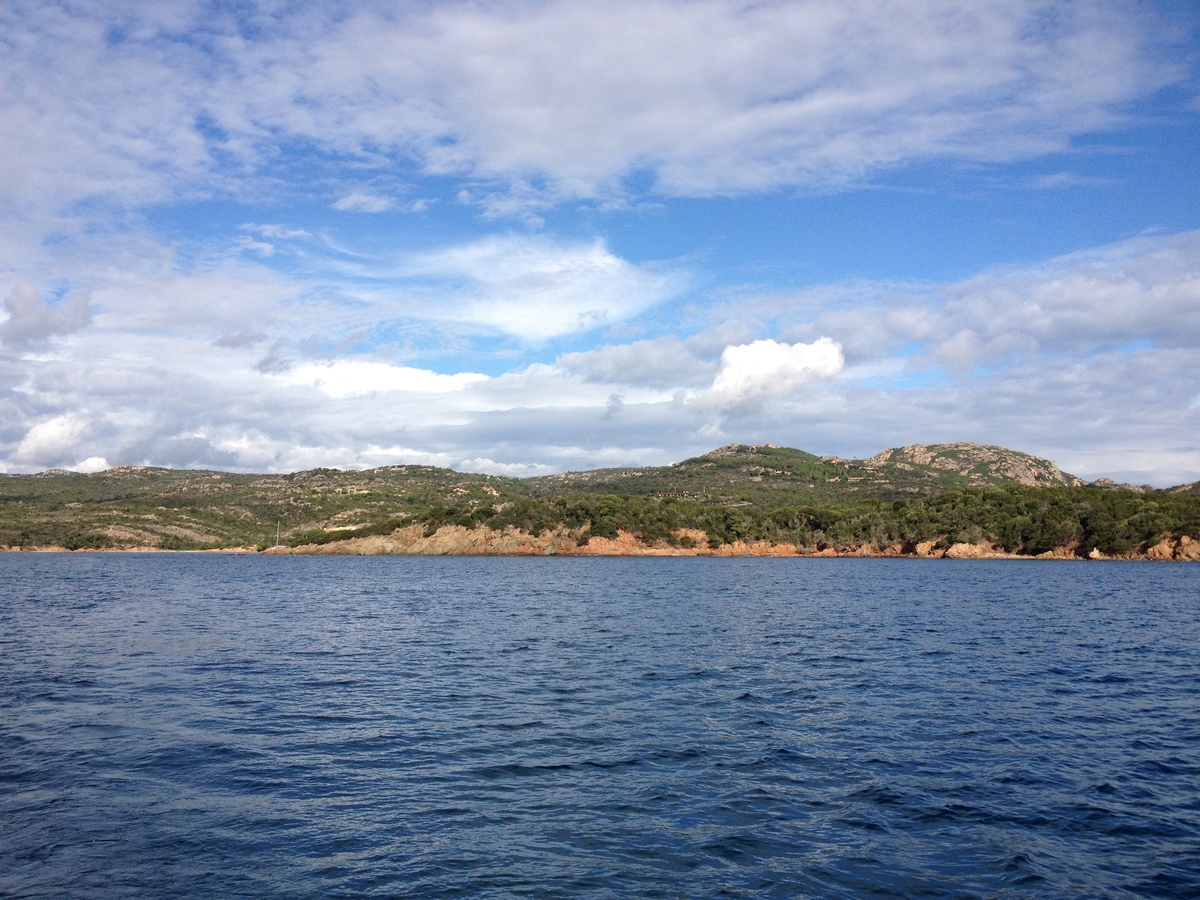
455 540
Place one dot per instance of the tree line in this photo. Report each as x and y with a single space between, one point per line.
1016 518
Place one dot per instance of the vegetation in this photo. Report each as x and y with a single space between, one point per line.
736 493
1017 518
766 475
192 510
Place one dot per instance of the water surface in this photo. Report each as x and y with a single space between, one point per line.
273 726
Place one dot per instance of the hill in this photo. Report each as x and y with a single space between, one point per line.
943 493
764 474
189 509
1192 489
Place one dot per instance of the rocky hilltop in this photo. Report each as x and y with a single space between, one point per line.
978 463
1192 489
767 473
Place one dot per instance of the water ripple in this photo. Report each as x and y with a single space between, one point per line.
560 728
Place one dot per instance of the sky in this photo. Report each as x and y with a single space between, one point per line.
528 237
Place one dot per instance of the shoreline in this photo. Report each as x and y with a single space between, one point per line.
453 540
457 540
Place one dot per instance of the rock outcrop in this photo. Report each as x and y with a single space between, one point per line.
1107 484
1183 550
456 540
982 464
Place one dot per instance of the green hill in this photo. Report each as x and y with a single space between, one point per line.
762 492
193 509
764 474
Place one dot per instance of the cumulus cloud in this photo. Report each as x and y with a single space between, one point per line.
535 288
91 464
52 441
32 322
750 373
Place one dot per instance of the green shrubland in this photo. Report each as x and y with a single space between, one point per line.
737 493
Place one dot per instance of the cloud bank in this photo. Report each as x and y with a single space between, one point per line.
1090 359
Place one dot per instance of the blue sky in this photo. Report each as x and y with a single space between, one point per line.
527 237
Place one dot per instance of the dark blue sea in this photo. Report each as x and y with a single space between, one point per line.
216 726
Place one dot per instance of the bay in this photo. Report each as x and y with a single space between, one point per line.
216 725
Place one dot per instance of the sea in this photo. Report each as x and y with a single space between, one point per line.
209 725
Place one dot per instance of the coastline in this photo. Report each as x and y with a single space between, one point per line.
457 540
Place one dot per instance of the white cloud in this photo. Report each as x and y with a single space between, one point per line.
91 464
282 232
959 352
534 288
49 442
552 99
88 116
358 201
752 372
713 96
262 248
1144 290
526 104
1090 359
665 362
1061 180
486 466
348 377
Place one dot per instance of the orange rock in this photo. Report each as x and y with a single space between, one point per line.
1188 549
965 551
1161 551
